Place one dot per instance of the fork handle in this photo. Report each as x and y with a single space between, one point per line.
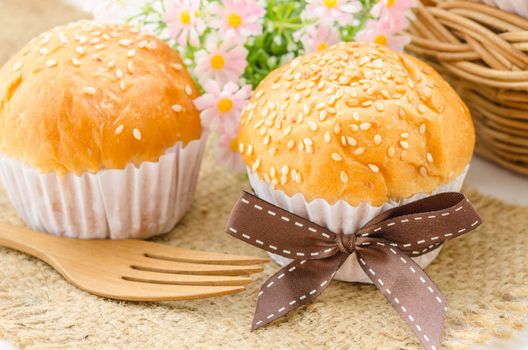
27 241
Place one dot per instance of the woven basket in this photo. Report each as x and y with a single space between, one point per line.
483 52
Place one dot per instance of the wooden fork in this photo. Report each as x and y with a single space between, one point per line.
135 270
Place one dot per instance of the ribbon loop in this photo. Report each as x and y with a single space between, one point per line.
383 248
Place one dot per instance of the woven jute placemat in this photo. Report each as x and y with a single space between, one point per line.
483 274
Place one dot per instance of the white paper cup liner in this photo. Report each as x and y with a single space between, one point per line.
134 202
342 217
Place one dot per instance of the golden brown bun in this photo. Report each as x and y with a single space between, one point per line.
356 122
88 96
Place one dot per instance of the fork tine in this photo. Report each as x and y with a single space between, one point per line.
139 291
179 279
167 266
168 252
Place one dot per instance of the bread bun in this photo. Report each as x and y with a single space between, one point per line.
88 96
356 122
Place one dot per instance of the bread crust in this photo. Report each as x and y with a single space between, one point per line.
356 122
88 96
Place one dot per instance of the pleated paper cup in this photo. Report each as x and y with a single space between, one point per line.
134 202
342 217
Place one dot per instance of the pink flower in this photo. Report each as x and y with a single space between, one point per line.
380 33
184 22
393 13
332 10
226 152
223 60
220 108
319 38
238 17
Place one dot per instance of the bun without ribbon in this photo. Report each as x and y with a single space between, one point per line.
356 122
88 96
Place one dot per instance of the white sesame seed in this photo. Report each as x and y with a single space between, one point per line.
291 144
298 178
188 89
421 108
51 63
391 151
429 157
122 85
89 90
131 67
404 135
359 151
100 46
177 66
82 40
119 129
267 140
404 144
137 134
336 157
327 137
374 168
80 50
343 176
423 171
125 42
75 62
119 73
307 141
249 150
377 139
177 108
312 126
422 129
131 53
43 51
365 126
17 66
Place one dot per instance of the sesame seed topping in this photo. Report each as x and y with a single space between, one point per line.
291 144
137 134
359 151
177 107
43 51
119 129
131 67
343 176
131 53
119 73
336 157
423 171
17 66
327 137
267 140
51 63
377 139
188 89
80 50
429 157
312 126
298 178
404 144
111 64
249 150
307 141
122 85
351 141
404 135
379 106
374 168
391 151
100 46
75 62
272 151
177 66
365 126
422 129
125 42
421 108
89 90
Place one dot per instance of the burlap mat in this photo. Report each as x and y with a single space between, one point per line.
483 274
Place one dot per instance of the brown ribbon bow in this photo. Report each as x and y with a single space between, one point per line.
382 247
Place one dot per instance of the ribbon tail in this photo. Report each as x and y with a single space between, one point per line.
294 285
407 287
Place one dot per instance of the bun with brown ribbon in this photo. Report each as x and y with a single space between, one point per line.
383 248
